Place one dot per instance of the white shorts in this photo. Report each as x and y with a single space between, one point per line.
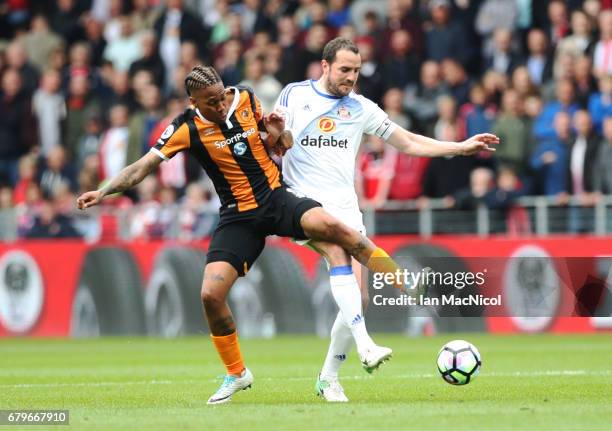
352 217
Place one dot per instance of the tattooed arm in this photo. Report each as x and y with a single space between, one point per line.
127 178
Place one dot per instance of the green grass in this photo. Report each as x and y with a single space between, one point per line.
539 382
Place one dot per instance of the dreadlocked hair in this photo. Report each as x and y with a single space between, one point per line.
201 76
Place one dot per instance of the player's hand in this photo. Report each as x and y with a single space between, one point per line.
275 123
89 199
478 143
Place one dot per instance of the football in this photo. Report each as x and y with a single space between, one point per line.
459 362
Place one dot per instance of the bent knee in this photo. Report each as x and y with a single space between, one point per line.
211 297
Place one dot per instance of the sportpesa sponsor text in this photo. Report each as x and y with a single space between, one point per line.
237 137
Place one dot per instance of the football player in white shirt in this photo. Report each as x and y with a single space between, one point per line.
327 120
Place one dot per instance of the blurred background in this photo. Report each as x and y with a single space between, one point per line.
87 86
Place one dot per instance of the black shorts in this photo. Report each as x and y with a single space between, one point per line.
240 242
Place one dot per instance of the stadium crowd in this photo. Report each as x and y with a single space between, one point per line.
88 86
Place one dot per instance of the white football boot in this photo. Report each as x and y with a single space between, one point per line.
330 390
231 385
373 357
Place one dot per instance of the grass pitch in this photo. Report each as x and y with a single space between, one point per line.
542 382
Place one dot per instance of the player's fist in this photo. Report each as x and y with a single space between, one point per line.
89 199
478 143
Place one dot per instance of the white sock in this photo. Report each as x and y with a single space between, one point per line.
339 347
345 289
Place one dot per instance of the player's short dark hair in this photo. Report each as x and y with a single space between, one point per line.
333 46
200 77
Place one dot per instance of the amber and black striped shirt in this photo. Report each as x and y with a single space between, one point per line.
232 154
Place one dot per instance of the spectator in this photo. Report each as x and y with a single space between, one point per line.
376 168
17 125
576 44
512 128
174 26
265 86
421 101
316 38
198 213
126 49
173 173
481 183
550 157
445 38
477 115
94 32
229 64
27 176
56 171
543 127
142 123
50 108
602 176
457 80
582 156
585 84
143 16
558 25
539 62
81 103
392 105
495 84
6 200
401 65
89 143
521 82
145 217
65 21
502 57
80 64
338 14
448 127
28 210
400 15
17 59
496 18
114 143
49 224
600 104
370 80
150 60
602 59
40 42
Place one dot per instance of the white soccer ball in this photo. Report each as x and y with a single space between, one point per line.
459 362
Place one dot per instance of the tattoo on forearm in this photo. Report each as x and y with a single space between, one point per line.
223 326
128 177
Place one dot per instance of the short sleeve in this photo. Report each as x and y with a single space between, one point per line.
377 121
283 107
174 139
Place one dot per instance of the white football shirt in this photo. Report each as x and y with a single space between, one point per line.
327 131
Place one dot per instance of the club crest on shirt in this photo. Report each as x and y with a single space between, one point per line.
167 132
326 125
344 113
245 114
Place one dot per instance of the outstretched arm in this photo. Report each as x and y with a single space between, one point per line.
127 178
422 146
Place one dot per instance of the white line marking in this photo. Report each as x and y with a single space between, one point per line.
550 373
